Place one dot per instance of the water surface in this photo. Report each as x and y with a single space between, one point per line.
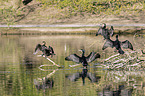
20 73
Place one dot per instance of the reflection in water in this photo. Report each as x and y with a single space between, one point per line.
28 62
75 76
45 82
120 91
17 77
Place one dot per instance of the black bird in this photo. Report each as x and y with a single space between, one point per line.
106 33
117 44
84 60
92 77
46 51
25 2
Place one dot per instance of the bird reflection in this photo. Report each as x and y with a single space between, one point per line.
43 84
121 91
92 77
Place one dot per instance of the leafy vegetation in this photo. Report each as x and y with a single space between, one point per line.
67 8
95 7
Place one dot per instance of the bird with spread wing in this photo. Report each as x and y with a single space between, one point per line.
47 51
117 44
84 60
106 33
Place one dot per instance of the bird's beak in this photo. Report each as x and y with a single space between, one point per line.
79 50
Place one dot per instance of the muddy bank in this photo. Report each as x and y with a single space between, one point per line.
67 31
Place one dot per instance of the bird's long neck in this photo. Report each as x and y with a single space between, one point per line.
117 38
83 53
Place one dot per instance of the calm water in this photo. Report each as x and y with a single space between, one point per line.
20 74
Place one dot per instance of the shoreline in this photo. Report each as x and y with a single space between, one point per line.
68 29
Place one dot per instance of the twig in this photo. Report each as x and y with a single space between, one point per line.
39 55
134 64
42 66
49 60
120 60
52 62
50 74
74 65
111 57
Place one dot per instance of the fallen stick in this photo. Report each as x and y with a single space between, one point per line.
49 60
50 74
111 57
125 60
136 64
52 62
74 65
39 55
42 66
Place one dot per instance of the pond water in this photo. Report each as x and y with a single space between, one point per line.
21 74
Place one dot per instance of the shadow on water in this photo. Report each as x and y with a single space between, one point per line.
19 72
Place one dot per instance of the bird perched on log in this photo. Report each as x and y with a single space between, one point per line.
117 44
106 33
46 51
84 60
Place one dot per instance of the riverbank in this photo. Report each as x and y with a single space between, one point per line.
68 30
48 13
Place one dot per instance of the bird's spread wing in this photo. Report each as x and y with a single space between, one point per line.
108 43
126 44
111 31
92 56
51 49
38 47
100 31
73 57
73 77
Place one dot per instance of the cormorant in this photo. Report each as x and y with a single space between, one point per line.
106 33
46 51
117 44
84 60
